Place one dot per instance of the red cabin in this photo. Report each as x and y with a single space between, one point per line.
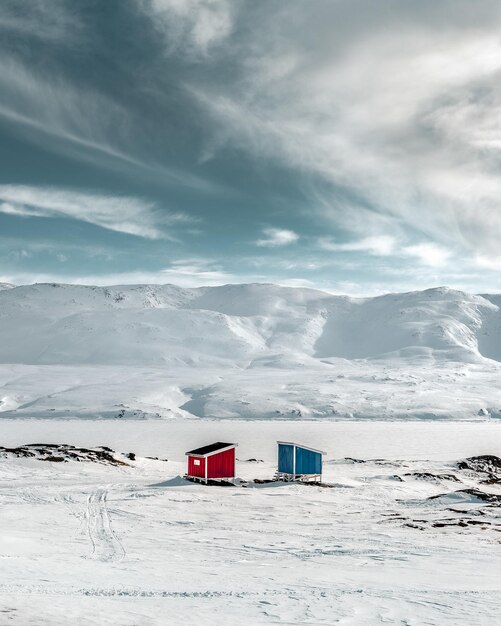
215 461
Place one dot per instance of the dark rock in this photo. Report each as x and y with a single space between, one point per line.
492 498
461 523
65 452
476 512
411 525
314 483
433 477
21 451
485 463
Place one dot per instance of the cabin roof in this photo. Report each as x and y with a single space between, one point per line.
300 445
212 448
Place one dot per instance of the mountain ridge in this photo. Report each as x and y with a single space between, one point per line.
246 320
252 351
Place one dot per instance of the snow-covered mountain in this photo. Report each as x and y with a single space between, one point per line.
247 350
238 325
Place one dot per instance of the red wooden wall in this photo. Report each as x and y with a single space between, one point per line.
221 465
196 470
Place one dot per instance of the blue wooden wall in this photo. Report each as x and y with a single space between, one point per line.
285 458
307 461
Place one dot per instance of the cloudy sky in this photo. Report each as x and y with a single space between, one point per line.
349 145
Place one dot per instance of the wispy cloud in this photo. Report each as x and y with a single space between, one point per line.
382 245
15 248
132 216
382 113
277 237
348 122
189 272
50 20
83 123
48 105
196 272
191 27
54 107
428 253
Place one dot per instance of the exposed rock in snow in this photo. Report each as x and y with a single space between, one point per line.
62 453
472 495
486 464
434 478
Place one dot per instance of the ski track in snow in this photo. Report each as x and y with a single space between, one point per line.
106 546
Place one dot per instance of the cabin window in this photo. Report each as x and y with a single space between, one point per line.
196 461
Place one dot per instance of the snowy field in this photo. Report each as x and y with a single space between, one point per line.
398 390
91 543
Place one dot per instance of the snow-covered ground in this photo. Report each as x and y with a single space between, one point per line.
247 351
86 543
396 389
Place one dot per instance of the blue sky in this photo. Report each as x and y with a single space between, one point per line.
347 145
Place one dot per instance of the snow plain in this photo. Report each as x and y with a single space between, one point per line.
406 383
90 544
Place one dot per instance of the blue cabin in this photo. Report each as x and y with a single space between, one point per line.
298 462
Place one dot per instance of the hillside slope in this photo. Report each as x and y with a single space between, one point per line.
245 350
235 324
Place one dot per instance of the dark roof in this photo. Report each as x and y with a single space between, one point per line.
213 447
